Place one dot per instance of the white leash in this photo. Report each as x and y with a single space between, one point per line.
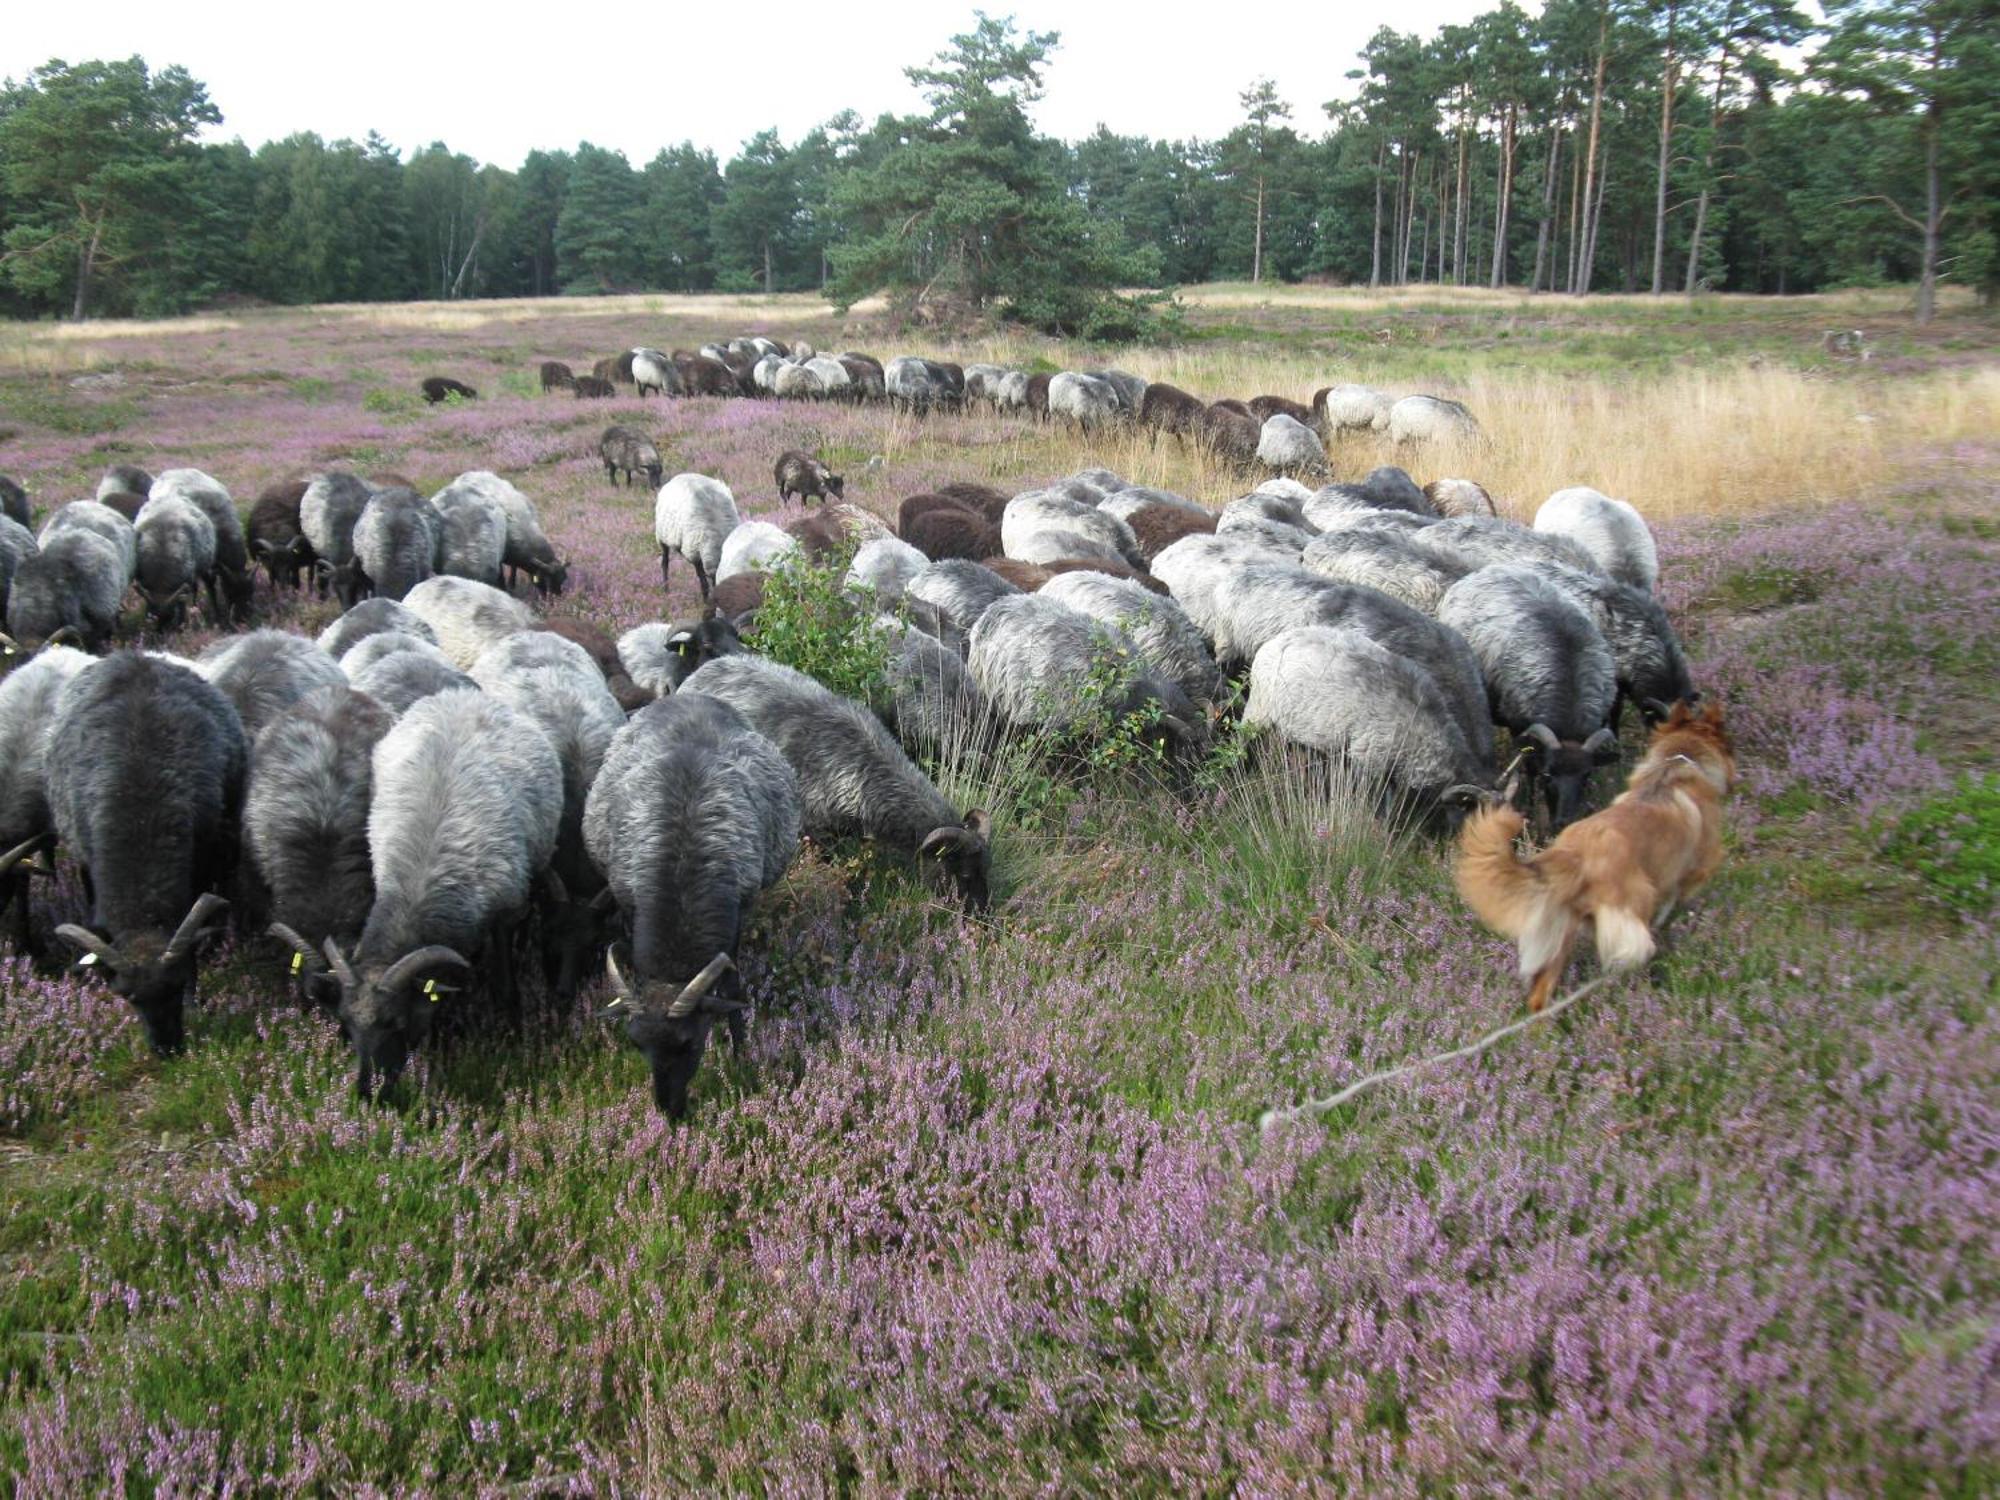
1272 1118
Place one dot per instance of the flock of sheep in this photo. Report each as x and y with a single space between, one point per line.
443 777
1278 433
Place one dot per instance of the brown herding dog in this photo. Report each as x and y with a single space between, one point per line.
1623 869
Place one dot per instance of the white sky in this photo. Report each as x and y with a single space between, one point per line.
498 80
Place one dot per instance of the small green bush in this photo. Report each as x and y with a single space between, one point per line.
394 404
810 622
1953 842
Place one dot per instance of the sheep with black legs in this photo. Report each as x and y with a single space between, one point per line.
693 516
230 583
467 802
1550 678
467 616
693 814
630 453
396 542
176 558
264 673
28 698
371 617
472 535
305 824
100 520
853 777
654 371
14 502
332 503
1156 625
146 765
68 589
528 548
803 475
1373 711
1611 531
276 536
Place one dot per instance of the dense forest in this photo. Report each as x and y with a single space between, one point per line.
1600 145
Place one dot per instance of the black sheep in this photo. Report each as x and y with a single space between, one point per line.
440 388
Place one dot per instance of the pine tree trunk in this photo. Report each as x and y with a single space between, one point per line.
1596 221
767 265
1461 231
1708 154
1668 83
1580 281
1694 240
1549 206
1933 221
1375 243
1499 276
1575 244
1410 219
86 266
1257 243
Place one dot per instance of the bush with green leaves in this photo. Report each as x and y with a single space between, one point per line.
810 620
1953 841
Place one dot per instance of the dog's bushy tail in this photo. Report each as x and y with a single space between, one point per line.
1504 891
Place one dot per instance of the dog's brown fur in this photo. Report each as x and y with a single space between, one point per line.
1623 869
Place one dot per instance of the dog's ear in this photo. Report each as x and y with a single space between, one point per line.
1711 713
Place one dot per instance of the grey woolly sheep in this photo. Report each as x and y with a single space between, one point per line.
755 547
1041 527
1129 388
467 801
99 520
467 616
1350 408
886 566
934 706
1652 668
1157 626
396 542
367 618
1125 503
264 673
124 479
1381 560
229 583
660 657
654 371
982 384
853 777
692 816
629 452
1264 505
694 515
1193 568
371 649
1459 497
176 556
69 588
1611 531
916 384
528 547
332 503
17 544
1085 400
1339 693
1287 444
1430 419
1549 675
402 679
28 698
146 765
14 502
798 382
959 590
472 535
1293 540
1474 542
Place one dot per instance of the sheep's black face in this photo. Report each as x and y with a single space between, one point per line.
1566 774
963 856
673 1047
552 578
158 992
836 486
238 587
381 1052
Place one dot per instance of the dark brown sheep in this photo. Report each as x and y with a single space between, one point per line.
918 505
1230 403
1038 396
1263 408
738 595
1168 408
124 502
1099 565
1230 432
702 376
603 650
805 476
442 388
592 387
621 368
605 370
556 376
1158 527
274 536
1027 577
952 531
983 498
820 535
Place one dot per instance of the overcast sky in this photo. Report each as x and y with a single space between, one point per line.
495 81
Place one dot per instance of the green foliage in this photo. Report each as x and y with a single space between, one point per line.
397 405
811 622
1953 842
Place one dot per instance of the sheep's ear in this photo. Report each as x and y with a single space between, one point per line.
980 822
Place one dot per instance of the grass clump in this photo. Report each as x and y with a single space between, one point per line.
1953 842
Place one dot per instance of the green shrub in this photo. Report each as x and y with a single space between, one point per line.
1953 842
809 621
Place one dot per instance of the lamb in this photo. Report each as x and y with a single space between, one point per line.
438 388
593 388
467 801
396 542
1652 668
755 547
264 673
100 520
654 371
1158 627
471 535
693 815
556 375
1611 531
328 510
17 544
14 502
124 479
1473 542
1339 693
368 618
1459 497
1168 408
1379 560
28 698
176 555
853 778
276 535
959 590
466 616
1430 419
1288 445
146 767
1350 408
528 548
631 453
694 515
1549 674
1085 400
805 476
886 566
305 822
1036 660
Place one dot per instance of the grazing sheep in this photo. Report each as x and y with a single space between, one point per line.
1289 490
101 521
1194 567
702 376
1158 627
886 566
738 599
818 534
853 777
14 502
28 698
1085 400
439 388
1010 391
693 815
984 498
332 503
959 590
124 479
860 525
1026 577
913 506
1156 527
914 384
1474 542
146 765
528 548
1263 505
1337 692
467 801
371 649
17 544
1350 408
597 645
754 547
371 617
396 542
467 616
805 476
1035 398
176 556
1550 677
631 453
1459 497
1380 560
264 673
1129 388
1168 408
1041 527
1292 539
471 535
1430 419
933 705
864 377
1611 531
1652 668
982 384
797 383
593 388
305 822
1230 435
653 371
950 530
556 375
402 679
1289 445
694 515
659 657
276 535
1393 488
1263 408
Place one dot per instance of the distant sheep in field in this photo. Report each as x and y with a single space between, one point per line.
706 377
439 388
1430 419
556 376
593 388
1168 408
631 453
1035 396
1263 408
229 583
1611 531
176 558
1230 435
14 502
1350 408
1084 400
528 548
803 475
653 371
1289 446
276 537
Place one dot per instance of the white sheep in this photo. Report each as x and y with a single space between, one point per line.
1611 531
694 515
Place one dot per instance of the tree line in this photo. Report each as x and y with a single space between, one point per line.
1602 145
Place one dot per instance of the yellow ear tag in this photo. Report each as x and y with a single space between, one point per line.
431 989
298 962
86 961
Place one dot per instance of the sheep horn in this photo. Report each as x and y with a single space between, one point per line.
689 999
1599 741
194 925
618 980
28 850
1465 794
92 945
940 841
1655 709
1544 736
61 634
8 645
410 964
298 945
342 970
